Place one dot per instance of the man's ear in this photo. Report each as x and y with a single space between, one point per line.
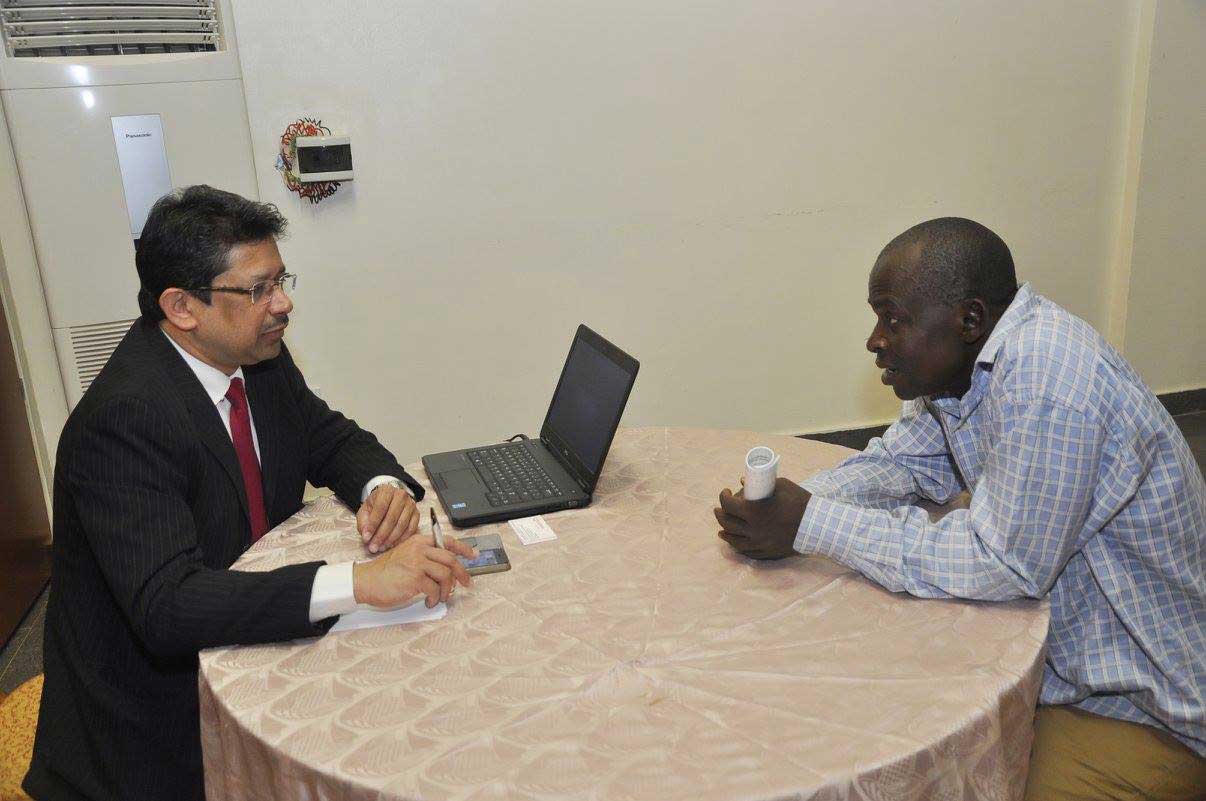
973 320
176 305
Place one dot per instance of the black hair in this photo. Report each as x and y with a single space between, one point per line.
187 239
959 259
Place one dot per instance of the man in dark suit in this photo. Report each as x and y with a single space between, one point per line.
197 437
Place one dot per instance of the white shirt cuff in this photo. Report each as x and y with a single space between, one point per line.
333 593
377 481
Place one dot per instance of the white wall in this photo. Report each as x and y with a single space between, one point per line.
1167 298
677 174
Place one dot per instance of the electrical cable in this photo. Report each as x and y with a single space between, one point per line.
314 191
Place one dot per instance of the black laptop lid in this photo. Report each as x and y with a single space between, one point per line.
587 404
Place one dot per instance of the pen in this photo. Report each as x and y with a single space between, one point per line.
436 530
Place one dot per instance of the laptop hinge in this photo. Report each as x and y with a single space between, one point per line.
582 483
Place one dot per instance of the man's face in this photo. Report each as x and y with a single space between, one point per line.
231 331
916 340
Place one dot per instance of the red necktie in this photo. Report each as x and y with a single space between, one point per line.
240 432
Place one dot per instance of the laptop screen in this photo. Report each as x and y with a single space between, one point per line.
590 399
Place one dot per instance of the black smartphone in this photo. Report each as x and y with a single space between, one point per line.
491 556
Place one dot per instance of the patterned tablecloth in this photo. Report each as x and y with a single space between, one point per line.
635 657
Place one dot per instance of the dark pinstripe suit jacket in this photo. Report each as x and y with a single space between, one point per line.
149 512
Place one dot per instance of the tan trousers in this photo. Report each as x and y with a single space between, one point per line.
1078 756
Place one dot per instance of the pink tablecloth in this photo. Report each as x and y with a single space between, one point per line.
635 657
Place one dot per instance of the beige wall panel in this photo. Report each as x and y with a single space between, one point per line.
1165 338
707 184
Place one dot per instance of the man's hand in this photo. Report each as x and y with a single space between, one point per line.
387 517
763 529
415 567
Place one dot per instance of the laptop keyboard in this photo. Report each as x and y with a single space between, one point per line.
512 475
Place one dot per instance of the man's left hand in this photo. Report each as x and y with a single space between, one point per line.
388 516
764 529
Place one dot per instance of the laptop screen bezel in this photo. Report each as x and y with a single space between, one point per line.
555 442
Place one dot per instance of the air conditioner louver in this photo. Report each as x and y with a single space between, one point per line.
92 345
34 28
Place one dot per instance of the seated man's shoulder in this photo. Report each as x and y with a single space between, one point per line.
129 389
1055 356
112 410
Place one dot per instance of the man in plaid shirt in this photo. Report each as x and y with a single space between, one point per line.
1081 489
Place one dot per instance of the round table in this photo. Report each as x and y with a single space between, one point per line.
634 657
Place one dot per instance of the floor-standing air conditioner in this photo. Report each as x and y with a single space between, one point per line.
109 104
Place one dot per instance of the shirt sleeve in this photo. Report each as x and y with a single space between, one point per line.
333 592
377 481
910 461
1028 515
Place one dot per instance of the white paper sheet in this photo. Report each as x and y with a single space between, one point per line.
366 617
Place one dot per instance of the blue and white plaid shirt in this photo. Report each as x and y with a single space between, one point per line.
1081 487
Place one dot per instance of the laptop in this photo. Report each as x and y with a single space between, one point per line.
560 469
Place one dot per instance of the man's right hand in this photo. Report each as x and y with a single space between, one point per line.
767 528
415 567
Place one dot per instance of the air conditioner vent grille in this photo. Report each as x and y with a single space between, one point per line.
34 28
92 345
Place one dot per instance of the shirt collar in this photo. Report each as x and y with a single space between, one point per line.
215 382
1019 307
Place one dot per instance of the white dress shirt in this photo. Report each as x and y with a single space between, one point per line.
333 592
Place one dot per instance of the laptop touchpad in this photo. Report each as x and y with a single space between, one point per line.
461 481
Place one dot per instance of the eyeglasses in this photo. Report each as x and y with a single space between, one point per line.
262 292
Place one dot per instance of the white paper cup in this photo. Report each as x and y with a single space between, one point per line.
761 470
